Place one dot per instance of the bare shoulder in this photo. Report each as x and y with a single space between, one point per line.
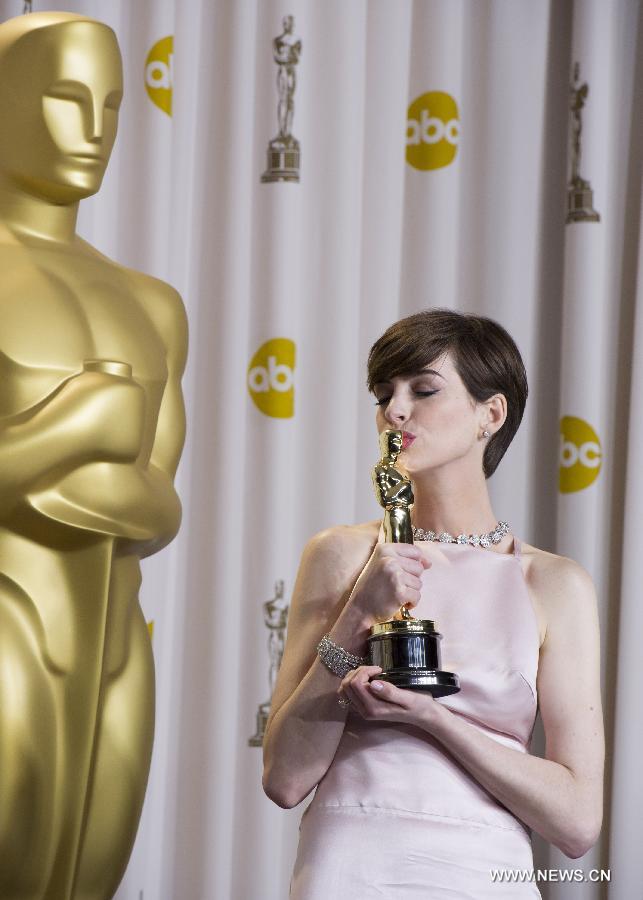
560 587
345 536
330 565
336 553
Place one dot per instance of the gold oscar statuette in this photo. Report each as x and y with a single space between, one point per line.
407 649
91 429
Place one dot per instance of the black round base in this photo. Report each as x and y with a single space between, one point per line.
436 682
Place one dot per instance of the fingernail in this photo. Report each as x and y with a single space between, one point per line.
377 685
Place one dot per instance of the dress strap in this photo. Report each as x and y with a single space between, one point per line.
517 547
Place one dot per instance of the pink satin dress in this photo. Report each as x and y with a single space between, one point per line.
396 816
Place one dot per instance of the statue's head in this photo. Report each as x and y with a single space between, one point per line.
288 23
391 442
61 85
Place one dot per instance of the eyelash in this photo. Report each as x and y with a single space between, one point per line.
385 400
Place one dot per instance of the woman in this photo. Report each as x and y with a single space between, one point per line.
420 797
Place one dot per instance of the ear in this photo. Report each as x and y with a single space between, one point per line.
495 413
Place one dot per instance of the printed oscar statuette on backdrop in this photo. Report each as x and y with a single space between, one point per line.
283 150
275 617
580 196
407 649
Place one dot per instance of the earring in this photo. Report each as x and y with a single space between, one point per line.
485 433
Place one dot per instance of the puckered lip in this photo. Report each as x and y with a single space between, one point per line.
407 439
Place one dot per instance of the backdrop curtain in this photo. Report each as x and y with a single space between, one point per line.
444 145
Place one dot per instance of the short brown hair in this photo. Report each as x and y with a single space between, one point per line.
484 354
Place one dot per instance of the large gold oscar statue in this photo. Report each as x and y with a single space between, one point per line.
91 429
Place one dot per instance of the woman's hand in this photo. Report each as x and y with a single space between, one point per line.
379 701
390 579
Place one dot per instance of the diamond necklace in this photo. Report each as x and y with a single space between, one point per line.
476 540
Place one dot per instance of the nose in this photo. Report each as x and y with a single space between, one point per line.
398 410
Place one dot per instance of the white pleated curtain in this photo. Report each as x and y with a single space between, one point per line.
288 284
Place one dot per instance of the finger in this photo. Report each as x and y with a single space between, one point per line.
412 581
361 675
405 582
416 555
372 705
382 690
346 680
362 700
369 672
413 603
355 692
412 598
410 577
412 566
422 562
408 550
405 594
409 604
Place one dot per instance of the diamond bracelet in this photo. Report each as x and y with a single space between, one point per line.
335 658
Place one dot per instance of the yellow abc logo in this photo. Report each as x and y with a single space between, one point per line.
432 131
158 74
271 380
580 455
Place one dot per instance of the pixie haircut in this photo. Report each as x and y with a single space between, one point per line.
485 357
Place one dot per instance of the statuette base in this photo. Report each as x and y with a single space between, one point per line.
436 682
262 720
580 204
283 161
408 652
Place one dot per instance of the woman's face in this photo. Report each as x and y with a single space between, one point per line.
441 421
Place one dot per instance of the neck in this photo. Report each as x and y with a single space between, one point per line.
458 506
29 216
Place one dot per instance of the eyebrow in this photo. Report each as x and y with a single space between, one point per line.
426 371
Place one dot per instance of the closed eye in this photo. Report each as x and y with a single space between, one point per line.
384 400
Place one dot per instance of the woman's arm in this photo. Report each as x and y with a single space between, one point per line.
306 722
560 796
